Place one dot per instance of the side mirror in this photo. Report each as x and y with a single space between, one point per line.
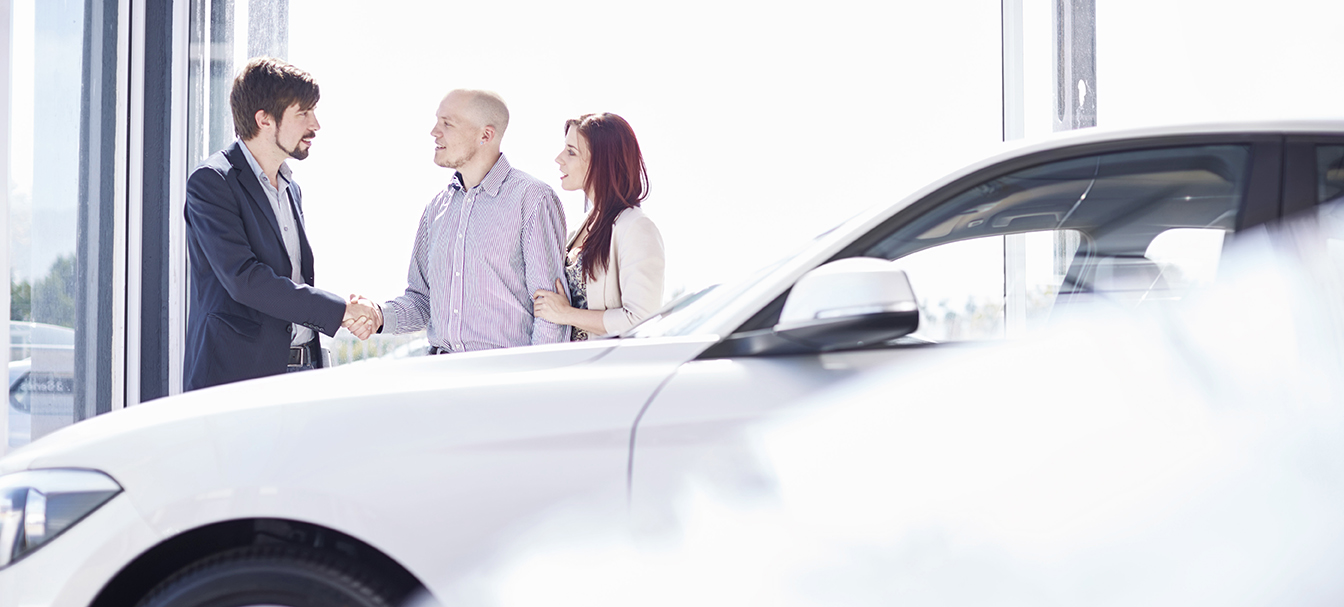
849 303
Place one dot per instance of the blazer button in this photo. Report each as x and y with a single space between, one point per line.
290 329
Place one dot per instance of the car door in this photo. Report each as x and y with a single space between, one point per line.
1000 254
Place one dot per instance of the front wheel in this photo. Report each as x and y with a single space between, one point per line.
271 575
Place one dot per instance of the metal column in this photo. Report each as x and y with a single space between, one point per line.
1075 64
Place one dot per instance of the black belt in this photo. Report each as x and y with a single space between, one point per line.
300 356
437 350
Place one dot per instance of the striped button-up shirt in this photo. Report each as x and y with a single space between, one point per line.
479 255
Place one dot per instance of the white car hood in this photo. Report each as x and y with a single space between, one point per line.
373 380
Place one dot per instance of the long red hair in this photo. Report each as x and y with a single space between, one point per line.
616 181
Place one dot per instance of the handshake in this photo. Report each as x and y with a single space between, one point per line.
362 317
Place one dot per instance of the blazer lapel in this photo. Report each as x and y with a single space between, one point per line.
253 189
305 251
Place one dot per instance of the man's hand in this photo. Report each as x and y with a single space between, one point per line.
362 317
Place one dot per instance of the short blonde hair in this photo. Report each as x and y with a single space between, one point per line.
487 109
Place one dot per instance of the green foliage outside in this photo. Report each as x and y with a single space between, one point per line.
20 300
50 300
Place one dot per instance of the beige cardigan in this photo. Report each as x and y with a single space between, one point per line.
631 288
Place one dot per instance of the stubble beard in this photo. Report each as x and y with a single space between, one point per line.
457 163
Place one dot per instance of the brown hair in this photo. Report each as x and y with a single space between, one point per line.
617 180
269 84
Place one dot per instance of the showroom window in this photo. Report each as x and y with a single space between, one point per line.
63 202
224 34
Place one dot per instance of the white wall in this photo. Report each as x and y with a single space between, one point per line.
762 123
1213 60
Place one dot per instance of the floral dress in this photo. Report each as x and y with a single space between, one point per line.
578 292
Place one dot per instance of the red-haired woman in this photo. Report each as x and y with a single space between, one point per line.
615 259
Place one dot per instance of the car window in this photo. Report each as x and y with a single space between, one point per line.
1005 286
1329 172
1132 228
968 289
1187 257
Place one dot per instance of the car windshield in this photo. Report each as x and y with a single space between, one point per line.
688 315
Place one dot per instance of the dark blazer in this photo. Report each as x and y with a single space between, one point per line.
243 302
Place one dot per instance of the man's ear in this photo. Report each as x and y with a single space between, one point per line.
487 134
263 119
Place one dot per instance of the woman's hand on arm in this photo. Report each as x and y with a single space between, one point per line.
553 306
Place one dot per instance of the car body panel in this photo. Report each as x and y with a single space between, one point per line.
701 420
461 470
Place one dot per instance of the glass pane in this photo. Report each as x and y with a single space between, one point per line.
962 286
1188 257
47 42
1329 172
1120 201
1129 228
960 289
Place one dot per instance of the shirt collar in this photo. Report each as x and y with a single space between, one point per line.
284 171
493 180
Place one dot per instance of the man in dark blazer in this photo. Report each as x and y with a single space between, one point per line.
254 311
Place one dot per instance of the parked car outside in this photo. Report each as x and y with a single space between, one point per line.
375 481
20 403
41 376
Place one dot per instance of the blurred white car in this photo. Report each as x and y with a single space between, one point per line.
363 485
1154 457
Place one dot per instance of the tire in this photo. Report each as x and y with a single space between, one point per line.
271 575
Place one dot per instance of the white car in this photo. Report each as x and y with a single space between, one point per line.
363 485
1154 457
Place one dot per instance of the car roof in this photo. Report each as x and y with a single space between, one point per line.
1094 135
1102 135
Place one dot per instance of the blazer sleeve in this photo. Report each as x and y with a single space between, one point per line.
640 266
213 215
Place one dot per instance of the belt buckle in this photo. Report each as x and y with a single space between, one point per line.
298 355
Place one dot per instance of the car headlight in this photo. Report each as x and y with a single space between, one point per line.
37 505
